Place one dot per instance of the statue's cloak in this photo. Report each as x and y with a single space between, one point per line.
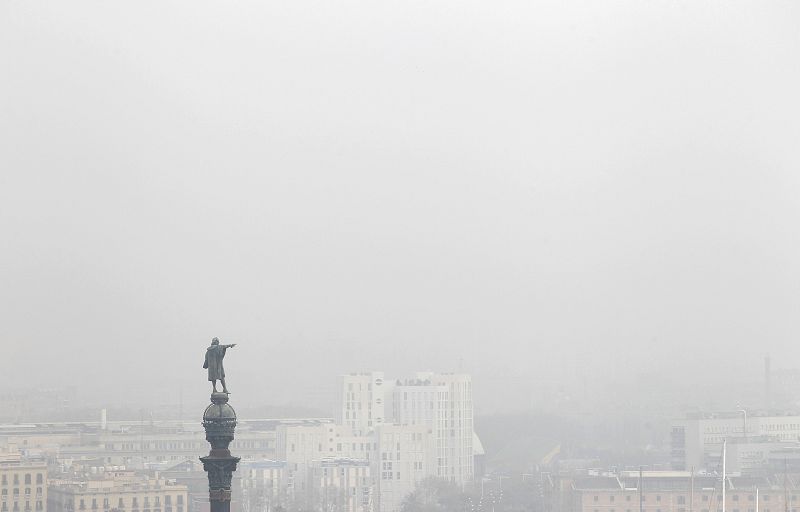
214 355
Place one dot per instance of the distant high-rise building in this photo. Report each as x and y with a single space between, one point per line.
442 403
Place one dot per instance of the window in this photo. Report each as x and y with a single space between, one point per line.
27 479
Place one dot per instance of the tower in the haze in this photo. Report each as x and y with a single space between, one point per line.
219 422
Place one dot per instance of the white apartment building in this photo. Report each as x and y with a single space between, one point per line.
398 456
302 444
405 430
343 485
442 403
406 458
362 397
304 448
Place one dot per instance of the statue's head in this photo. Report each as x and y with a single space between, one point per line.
215 341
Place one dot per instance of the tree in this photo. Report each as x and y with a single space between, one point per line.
435 495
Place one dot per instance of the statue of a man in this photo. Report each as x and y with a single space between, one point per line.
214 355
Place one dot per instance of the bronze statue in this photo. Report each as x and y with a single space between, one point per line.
214 355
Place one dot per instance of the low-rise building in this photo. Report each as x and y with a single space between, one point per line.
343 485
696 440
117 491
676 491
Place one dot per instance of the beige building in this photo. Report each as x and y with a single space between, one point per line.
23 484
117 491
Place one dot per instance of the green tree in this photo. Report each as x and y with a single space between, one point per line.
435 495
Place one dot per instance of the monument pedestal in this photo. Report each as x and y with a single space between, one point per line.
219 421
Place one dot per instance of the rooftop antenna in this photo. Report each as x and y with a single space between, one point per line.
767 379
180 409
744 419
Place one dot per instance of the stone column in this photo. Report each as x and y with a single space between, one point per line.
219 420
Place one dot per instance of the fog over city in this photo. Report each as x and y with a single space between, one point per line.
573 196
400 256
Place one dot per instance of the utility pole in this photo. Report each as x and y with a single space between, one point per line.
785 488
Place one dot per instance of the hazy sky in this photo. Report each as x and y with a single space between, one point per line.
523 190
